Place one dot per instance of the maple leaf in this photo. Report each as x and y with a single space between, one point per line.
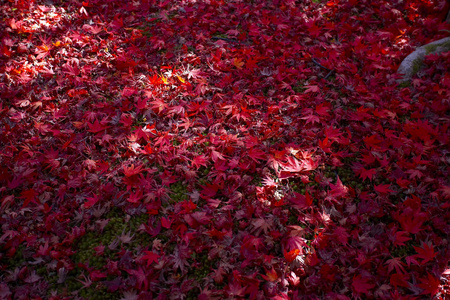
209 190
158 105
139 275
215 155
445 191
300 201
291 255
341 235
399 279
261 224
130 295
235 289
383 188
29 196
256 154
367 173
91 201
44 249
179 257
96 275
396 263
271 275
87 282
411 260
338 190
311 118
92 29
411 221
32 277
166 222
292 165
430 285
97 126
361 285
198 161
296 242
400 237
150 257
238 63
426 252
197 218
372 141
312 89
131 170
414 174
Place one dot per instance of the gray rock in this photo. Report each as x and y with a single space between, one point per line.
413 62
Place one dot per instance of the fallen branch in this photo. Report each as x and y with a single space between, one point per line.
331 71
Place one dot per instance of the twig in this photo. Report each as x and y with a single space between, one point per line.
331 71
215 38
317 63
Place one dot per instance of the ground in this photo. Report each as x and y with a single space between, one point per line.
223 150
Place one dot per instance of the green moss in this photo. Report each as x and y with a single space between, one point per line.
299 88
405 250
220 36
433 47
204 171
18 258
205 265
178 192
405 84
98 291
266 90
86 254
257 181
417 65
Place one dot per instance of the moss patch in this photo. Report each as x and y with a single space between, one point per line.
433 47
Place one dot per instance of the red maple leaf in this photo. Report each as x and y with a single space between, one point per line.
341 235
131 170
399 279
96 275
383 188
29 196
140 276
312 89
91 201
411 221
166 222
430 285
396 263
256 154
150 257
361 285
97 126
300 201
426 252
400 237
367 173
338 189
372 141
291 255
311 118
198 161
271 275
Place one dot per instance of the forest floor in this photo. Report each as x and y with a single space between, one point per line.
223 150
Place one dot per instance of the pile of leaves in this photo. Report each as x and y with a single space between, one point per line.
222 149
